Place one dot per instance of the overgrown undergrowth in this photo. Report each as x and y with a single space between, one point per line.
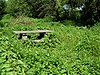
68 50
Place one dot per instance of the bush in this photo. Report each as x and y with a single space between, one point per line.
68 22
6 20
22 20
7 16
1 24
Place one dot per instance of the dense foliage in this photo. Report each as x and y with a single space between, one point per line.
2 8
18 8
86 12
68 50
91 12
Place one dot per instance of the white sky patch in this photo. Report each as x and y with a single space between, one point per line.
80 8
66 7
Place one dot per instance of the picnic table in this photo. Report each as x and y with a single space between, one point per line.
23 34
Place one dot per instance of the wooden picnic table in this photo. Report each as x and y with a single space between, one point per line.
23 34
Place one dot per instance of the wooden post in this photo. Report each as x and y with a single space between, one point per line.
22 36
41 35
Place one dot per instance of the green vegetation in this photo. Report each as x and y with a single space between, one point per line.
69 50
85 12
2 8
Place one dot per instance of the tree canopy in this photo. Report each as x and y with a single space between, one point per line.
84 11
2 8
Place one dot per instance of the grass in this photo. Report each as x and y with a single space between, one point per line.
70 51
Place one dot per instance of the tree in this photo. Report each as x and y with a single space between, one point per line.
36 8
18 7
2 8
90 12
41 8
59 9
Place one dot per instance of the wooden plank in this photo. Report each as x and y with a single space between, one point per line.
34 31
37 40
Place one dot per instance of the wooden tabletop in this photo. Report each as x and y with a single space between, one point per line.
34 31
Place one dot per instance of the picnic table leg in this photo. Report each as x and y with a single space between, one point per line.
22 36
41 35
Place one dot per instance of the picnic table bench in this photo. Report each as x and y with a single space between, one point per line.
23 34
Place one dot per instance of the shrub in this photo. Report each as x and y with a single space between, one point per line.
1 24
